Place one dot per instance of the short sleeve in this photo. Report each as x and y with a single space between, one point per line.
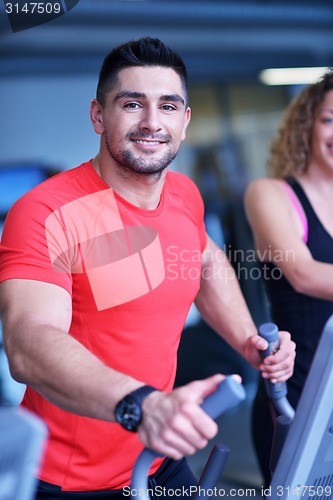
26 247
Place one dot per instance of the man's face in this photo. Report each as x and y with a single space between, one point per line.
144 119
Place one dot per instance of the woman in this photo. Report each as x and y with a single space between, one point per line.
291 216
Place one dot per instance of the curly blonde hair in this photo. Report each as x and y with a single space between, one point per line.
290 148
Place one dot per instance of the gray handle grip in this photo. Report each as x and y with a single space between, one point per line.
276 392
228 394
270 332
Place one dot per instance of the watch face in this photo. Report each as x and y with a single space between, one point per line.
128 411
128 414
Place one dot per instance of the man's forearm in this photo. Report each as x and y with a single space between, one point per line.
64 371
220 300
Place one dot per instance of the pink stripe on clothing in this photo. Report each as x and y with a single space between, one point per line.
299 209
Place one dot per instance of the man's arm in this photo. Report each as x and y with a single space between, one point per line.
36 318
222 305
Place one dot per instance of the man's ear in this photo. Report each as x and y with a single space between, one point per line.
186 122
96 116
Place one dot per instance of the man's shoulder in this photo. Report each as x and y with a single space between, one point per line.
184 192
177 180
55 192
65 184
65 178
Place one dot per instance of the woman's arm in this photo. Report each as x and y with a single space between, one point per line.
277 232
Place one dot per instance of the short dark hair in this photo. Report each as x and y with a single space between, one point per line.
143 52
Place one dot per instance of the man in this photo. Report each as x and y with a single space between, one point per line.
99 267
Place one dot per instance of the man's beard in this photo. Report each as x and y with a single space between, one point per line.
139 164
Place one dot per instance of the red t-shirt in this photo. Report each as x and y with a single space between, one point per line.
133 275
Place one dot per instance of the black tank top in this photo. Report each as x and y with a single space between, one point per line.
303 316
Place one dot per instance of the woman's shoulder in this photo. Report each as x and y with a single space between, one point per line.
263 183
265 188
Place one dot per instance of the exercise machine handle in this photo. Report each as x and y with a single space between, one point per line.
276 392
270 332
228 394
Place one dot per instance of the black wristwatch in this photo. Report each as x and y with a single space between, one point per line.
128 411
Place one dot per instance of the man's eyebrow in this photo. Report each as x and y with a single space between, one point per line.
172 98
129 94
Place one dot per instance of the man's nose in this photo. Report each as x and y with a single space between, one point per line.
150 120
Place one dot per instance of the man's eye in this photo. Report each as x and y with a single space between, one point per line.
132 105
168 107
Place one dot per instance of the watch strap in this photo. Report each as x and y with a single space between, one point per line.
142 392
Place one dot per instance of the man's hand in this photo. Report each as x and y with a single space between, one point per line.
279 366
174 424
